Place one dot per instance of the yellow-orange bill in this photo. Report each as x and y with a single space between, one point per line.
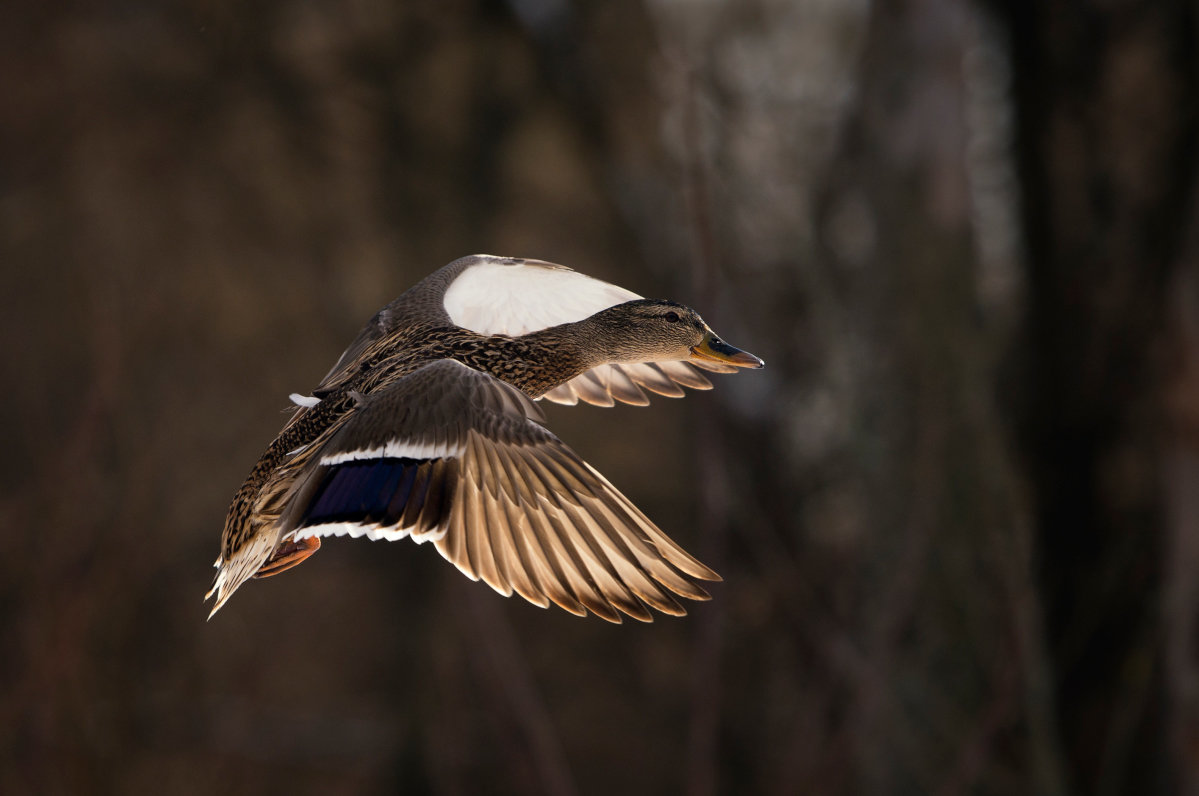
714 349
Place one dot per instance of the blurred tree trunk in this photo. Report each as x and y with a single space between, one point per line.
886 521
1106 97
943 609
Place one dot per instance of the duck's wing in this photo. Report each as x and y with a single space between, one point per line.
453 456
419 306
513 296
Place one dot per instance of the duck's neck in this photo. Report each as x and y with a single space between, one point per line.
540 361
534 363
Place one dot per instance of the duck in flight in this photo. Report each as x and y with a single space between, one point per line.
426 428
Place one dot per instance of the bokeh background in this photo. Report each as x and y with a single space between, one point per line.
957 514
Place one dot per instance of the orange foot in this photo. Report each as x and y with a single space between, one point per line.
288 555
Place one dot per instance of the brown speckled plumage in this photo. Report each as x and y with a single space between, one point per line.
530 364
383 385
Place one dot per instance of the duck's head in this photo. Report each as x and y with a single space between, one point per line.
653 330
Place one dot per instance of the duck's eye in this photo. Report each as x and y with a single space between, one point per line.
671 317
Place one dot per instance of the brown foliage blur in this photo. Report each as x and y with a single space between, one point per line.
957 514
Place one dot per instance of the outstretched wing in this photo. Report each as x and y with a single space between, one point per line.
512 296
455 457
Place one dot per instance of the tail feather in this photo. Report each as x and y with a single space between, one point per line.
238 568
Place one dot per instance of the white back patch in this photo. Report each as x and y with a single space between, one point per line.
494 297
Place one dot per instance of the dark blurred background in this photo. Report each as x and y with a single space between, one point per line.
957 515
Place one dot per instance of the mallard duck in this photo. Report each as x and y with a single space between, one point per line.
426 428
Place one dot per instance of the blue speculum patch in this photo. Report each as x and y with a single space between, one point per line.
370 491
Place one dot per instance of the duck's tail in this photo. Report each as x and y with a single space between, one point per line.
239 567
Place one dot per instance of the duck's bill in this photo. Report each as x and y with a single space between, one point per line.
713 349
